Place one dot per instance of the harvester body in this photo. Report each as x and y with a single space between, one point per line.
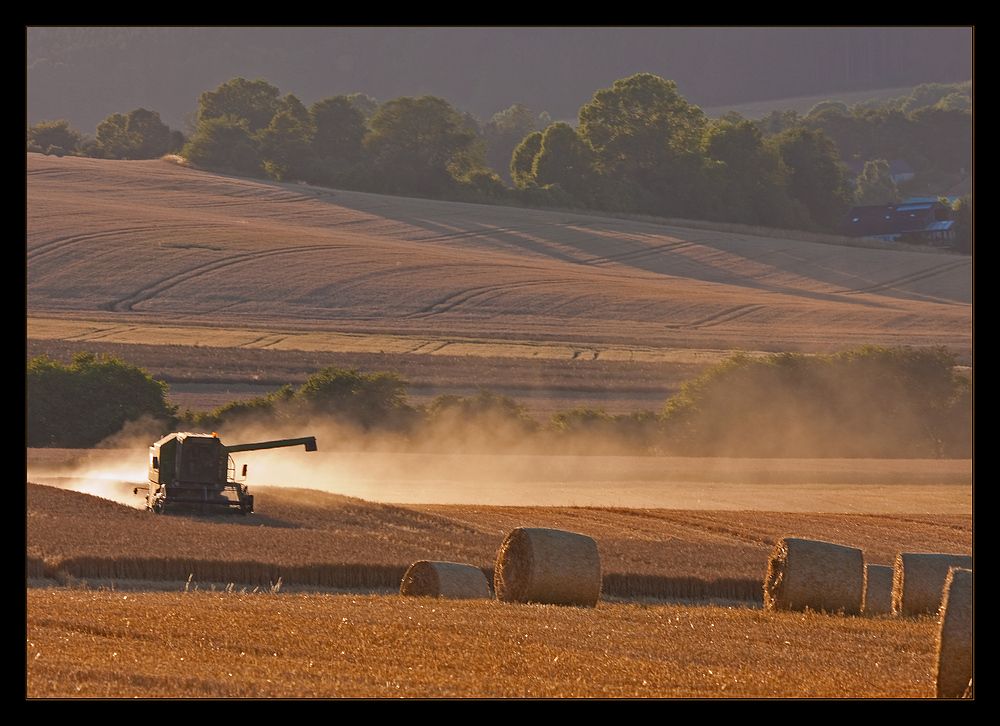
197 472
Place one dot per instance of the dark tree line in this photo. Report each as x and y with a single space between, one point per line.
138 134
639 146
931 130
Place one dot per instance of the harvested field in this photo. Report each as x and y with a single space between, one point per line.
325 540
98 644
135 246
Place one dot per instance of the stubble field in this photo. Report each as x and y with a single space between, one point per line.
198 644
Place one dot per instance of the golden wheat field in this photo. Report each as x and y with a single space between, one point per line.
197 644
147 251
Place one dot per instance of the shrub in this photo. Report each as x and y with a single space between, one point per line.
873 401
369 400
79 404
259 409
53 137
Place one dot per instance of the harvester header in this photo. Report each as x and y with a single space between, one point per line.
308 441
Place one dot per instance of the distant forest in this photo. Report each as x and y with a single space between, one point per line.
639 147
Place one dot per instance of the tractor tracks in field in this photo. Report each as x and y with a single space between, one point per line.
265 342
918 276
128 303
61 244
429 347
485 232
641 254
711 525
477 294
102 333
723 316
253 195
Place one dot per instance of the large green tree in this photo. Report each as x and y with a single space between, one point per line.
79 404
875 185
506 130
750 185
522 161
564 159
645 134
285 144
225 144
255 102
339 130
363 103
944 137
416 143
53 136
139 134
817 178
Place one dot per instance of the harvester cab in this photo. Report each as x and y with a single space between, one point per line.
196 472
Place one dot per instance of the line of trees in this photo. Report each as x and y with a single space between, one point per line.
930 129
868 402
138 134
638 146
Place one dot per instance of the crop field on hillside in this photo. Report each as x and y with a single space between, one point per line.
136 246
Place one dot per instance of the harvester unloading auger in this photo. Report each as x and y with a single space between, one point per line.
196 472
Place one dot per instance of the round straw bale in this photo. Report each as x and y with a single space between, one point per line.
918 580
805 573
954 642
548 566
878 590
445 579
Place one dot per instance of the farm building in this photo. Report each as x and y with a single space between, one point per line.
921 218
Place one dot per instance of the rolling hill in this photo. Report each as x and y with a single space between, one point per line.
153 253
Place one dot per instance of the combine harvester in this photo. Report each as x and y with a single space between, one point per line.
196 472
